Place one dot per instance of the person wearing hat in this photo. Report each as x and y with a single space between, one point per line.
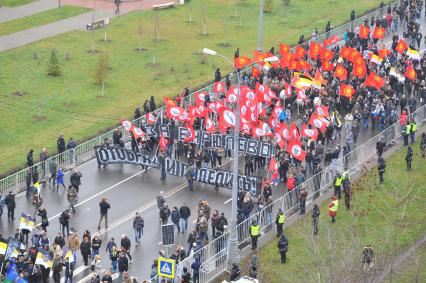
11 205
282 246
332 209
254 233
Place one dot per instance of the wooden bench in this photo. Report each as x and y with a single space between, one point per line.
163 6
97 23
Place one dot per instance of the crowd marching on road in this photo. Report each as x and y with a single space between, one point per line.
371 88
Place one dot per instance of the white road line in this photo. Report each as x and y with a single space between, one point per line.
227 201
100 193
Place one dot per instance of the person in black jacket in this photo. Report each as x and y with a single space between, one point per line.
75 178
125 246
381 168
85 250
152 105
96 245
104 206
235 272
282 247
315 219
64 220
185 213
30 158
123 263
10 204
409 158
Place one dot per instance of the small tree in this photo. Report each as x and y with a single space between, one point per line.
53 68
101 71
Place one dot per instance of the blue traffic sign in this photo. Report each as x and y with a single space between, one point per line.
166 267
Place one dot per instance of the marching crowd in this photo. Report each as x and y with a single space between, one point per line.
372 108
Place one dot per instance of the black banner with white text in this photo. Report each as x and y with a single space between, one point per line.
222 178
246 145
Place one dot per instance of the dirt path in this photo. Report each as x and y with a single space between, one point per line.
399 262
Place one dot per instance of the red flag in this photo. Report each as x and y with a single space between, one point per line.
169 101
284 48
279 139
174 112
374 80
255 72
346 90
331 40
401 46
322 110
285 60
190 136
273 165
226 119
241 61
364 32
127 125
295 150
303 65
215 106
300 94
378 33
287 89
309 133
410 73
359 71
299 52
163 143
209 125
219 87
151 118
326 54
200 97
294 132
284 132
317 122
340 72
232 95
344 52
327 66
314 50
382 53
137 132
359 61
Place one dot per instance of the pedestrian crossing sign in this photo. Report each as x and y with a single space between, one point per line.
166 267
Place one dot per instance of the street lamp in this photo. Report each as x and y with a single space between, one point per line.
260 43
234 254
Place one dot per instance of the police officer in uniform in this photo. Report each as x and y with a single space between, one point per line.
254 233
338 185
381 168
413 130
279 221
406 132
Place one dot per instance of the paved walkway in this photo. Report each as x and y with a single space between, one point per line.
102 9
8 14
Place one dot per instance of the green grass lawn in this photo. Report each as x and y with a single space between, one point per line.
412 269
14 3
39 19
389 218
70 104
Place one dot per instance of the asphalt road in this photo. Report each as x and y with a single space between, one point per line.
128 190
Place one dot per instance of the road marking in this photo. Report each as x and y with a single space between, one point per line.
98 194
227 201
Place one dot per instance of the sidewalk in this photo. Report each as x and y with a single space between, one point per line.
38 33
8 14
102 9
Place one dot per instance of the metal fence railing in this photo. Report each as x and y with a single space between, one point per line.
84 151
213 256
